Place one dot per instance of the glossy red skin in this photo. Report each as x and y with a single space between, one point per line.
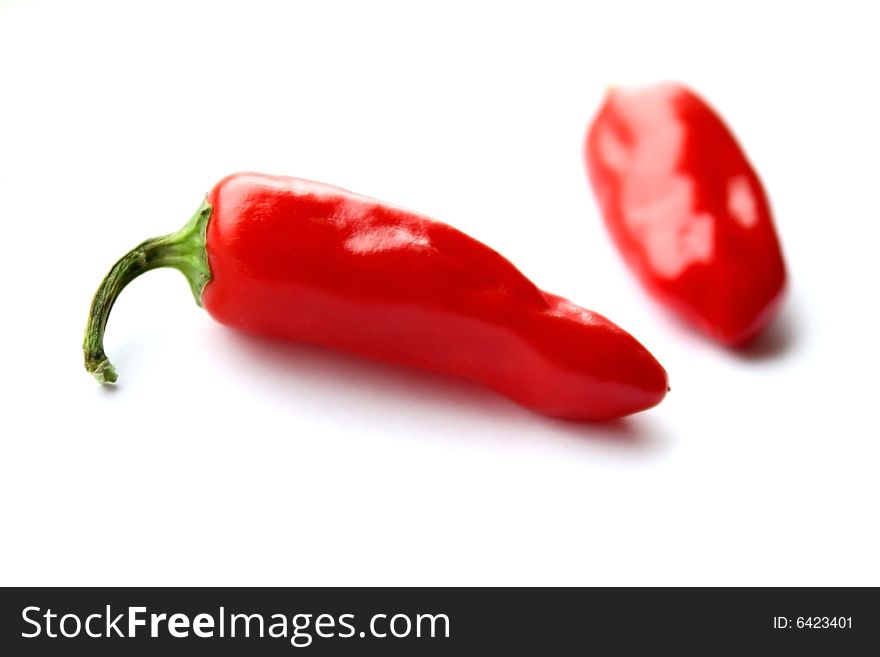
309 262
686 209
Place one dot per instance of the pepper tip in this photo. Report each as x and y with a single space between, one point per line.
103 372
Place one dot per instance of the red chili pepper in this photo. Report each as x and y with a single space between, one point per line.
300 260
687 210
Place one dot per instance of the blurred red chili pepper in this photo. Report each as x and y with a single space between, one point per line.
300 260
686 209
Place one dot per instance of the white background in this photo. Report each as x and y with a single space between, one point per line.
222 459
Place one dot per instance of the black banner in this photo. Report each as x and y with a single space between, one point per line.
418 621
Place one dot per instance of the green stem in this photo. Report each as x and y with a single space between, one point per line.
183 250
